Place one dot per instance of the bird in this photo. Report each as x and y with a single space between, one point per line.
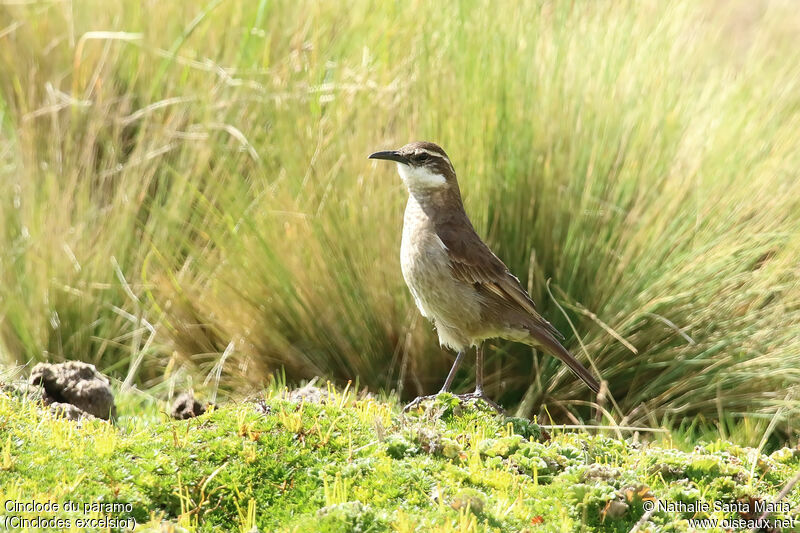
457 282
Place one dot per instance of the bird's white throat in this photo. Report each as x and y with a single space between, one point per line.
420 177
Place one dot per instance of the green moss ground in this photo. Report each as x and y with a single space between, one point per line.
357 465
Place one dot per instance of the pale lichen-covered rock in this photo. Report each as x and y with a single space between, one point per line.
308 394
600 472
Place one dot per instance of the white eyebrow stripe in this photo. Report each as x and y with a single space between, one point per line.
428 152
437 154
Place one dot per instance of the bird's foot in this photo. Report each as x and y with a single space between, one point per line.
418 400
477 395
480 395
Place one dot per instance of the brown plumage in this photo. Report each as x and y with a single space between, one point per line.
456 280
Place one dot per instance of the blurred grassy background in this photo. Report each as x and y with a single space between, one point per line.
185 194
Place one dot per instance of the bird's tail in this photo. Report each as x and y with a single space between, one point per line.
551 345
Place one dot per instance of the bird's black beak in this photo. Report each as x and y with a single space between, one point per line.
390 155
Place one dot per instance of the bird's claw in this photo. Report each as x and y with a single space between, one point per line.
480 395
418 400
477 395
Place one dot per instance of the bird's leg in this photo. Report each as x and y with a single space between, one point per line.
479 394
452 374
447 382
479 370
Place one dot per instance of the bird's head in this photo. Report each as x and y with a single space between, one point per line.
423 166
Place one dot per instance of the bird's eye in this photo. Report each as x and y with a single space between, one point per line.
421 157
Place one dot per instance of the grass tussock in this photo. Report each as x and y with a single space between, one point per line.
185 192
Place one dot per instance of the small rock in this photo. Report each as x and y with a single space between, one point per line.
308 393
69 411
261 406
186 406
22 389
667 470
600 472
615 509
75 383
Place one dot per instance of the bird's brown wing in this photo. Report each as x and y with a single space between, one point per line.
471 261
